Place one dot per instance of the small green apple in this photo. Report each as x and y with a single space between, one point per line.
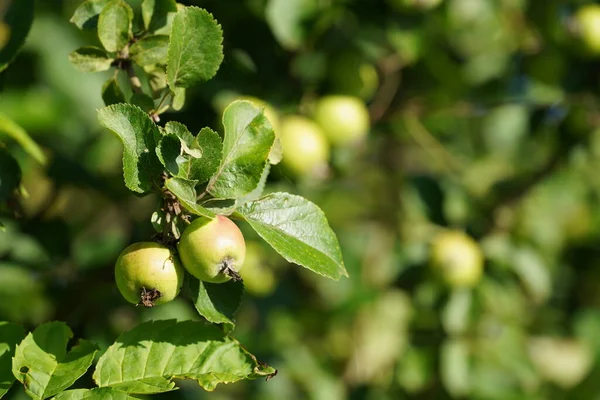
587 20
353 75
212 250
259 279
344 119
457 259
563 361
305 148
148 273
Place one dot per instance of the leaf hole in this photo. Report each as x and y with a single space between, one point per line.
24 370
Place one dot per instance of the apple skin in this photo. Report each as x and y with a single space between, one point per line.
457 259
150 266
305 148
344 119
208 246
587 19
259 279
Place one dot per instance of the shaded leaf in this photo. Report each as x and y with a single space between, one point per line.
87 13
195 48
10 335
150 50
112 93
143 101
15 132
93 394
168 152
298 230
217 302
10 175
185 192
90 59
114 25
139 135
155 13
42 364
18 17
246 145
147 358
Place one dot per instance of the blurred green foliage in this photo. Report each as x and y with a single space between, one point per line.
484 120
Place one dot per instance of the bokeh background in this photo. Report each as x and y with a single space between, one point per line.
484 120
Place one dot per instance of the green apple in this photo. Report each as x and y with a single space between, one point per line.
148 273
351 74
259 279
563 361
457 259
344 119
305 148
212 250
587 19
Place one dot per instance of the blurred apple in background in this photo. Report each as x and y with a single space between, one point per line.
344 119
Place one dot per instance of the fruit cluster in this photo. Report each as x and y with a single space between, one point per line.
212 250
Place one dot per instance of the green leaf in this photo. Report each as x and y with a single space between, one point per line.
42 364
147 358
217 302
178 98
90 59
18 17
246 145
150 50
114 25
155 13
15 132
454 367
10 175
287 19
258 190
201 169
276 153
139 135
199 156
298 230
93 394
10 335
86 15
456 314
185 192
112 93
195 48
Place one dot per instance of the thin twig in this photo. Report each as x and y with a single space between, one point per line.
390 68
430 144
